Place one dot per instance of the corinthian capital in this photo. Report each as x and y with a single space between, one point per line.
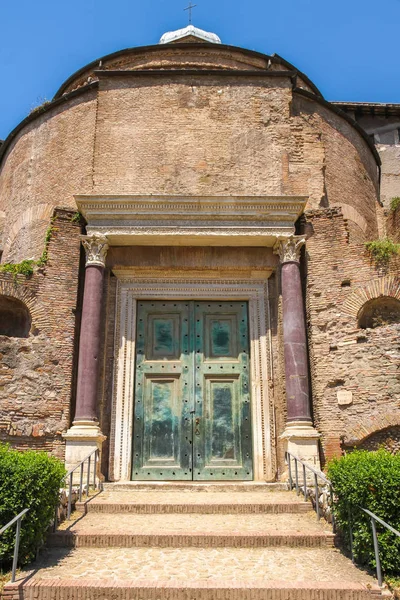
96 247
288 248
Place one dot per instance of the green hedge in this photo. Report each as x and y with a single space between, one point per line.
27 480
370 480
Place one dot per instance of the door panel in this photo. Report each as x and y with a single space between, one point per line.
222 422
192 402
162 435
222 440
162 428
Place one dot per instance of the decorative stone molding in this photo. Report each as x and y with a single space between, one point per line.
130 290
288 248
384 286
191 220
96 247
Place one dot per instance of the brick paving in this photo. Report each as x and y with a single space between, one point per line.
196 523
198 497
130 564
251 565
201 530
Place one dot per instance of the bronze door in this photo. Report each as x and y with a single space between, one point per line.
192 399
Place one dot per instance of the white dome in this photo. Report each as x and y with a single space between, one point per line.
190 30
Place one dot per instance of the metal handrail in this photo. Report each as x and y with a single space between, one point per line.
69 476
374 518
316 474
18 520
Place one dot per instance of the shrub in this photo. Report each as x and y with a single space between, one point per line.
27 480
370 480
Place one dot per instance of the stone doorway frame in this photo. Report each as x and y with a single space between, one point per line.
167 285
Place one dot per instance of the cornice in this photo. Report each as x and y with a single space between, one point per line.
166 49
179 73
115 207
191 220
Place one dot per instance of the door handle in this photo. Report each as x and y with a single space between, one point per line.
197 426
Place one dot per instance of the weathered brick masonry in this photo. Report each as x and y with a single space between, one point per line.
37 375
344 357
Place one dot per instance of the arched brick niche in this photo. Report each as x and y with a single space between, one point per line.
375 304
379 312
373 431
388 438
20 305
15 318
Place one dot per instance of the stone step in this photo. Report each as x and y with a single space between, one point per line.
193 530
168 502
193 573
145 590
195 486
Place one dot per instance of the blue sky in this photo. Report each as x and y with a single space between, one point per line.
349 48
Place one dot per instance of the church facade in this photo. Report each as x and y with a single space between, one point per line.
198 296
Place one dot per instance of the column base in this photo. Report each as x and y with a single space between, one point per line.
81 439
302 441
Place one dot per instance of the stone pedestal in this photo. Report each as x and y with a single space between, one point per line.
85 435
81 439
302 441
300 434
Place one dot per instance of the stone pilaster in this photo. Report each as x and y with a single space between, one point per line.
301 436
85 434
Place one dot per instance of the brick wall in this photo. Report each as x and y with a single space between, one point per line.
49 161
340 277
393 225
36 373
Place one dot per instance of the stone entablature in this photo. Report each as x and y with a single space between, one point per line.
198 220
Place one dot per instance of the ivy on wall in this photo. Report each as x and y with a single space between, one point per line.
27 267
395 203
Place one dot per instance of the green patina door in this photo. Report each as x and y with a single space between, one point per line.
192 395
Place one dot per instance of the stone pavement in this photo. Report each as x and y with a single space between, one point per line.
219 548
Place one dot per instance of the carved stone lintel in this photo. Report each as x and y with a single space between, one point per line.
288 248
96 247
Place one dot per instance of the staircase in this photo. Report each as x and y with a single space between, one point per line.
199 542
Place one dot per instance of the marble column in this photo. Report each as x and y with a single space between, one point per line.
85 434
301 436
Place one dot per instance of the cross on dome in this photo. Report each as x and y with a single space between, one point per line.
190 8
190 33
